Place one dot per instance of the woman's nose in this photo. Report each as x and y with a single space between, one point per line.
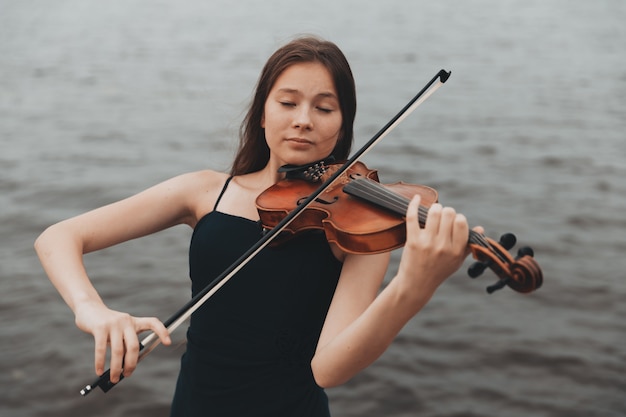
302 118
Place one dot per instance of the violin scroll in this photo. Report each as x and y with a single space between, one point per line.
521 273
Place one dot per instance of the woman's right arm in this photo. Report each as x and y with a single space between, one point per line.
61 247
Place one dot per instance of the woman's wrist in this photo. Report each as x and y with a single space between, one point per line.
412 293
83 301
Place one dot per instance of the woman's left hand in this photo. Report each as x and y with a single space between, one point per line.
431 254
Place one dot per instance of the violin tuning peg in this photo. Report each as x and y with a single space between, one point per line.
507 240
498 285
525 251
310 172
476 269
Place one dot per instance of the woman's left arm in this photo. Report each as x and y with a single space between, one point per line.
361 325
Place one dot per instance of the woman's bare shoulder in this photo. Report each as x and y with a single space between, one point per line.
206 179
200 189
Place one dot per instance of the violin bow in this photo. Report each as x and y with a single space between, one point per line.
173 322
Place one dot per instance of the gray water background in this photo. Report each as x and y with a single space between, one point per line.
99 100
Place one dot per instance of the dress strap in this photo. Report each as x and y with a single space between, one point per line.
222 192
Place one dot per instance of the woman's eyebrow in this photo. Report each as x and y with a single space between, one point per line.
328 94
289 90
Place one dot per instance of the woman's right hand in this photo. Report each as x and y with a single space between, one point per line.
119 331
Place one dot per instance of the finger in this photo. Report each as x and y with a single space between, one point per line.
477 229
100 353
131 344
412 214
446 223
460 233
434 218
154 324
117 356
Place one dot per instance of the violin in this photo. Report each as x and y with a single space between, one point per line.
360 215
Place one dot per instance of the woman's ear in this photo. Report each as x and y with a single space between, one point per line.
263 121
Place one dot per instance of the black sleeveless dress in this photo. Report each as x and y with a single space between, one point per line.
249 347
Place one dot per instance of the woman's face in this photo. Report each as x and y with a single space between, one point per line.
302 118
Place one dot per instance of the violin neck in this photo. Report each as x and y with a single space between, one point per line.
376 193
521 273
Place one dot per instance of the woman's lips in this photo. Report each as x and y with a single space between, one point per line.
300 141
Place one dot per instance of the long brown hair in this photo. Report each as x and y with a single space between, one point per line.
253 153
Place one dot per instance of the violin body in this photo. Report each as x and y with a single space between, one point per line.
362 216
353 224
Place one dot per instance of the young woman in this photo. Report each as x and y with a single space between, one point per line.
298 318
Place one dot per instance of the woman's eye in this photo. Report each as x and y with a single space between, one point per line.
324 109
287 104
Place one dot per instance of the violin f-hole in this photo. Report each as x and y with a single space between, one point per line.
355 175
320 200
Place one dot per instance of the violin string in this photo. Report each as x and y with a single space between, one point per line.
480 240
377 193
389 199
